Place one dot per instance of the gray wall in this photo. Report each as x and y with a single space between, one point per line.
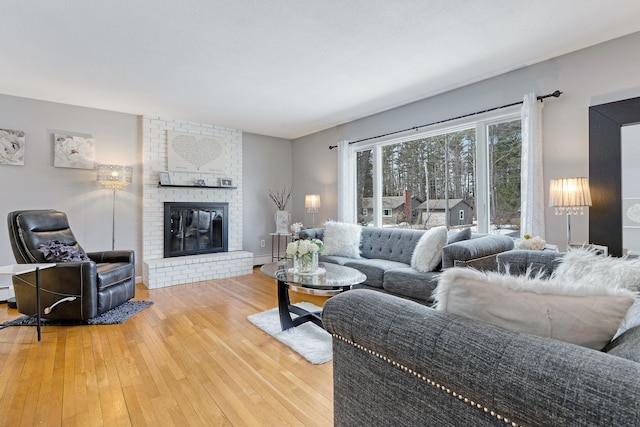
315 171
266 164
39 185
603 73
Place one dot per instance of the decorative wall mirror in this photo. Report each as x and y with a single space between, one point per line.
605 170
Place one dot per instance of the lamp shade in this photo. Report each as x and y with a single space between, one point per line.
114 177
569 193
312 202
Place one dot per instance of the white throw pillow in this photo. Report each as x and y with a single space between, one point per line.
428 251
568 311
589 268
342 239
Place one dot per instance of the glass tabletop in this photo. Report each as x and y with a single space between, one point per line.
330 276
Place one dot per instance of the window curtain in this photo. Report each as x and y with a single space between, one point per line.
532 180
346 183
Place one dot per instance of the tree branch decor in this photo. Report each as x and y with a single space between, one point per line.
280 198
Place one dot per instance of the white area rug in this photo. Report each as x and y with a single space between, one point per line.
309 340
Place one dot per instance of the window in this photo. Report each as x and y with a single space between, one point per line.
505 153
476 161
365 212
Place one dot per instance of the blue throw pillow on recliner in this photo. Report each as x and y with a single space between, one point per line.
56 251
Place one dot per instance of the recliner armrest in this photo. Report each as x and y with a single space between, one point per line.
112 256
75 279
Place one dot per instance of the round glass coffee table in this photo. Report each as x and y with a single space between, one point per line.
330 279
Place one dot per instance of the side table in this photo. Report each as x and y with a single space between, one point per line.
275 243
17 270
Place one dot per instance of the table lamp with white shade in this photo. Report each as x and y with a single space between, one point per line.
569 196
312 204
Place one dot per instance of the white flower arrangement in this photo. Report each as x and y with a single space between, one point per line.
530 243
303 247
296 227
305 255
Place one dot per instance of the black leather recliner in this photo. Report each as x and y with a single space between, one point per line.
75 290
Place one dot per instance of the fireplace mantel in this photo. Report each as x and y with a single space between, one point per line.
196 186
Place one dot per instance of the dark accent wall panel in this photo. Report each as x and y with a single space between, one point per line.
605 177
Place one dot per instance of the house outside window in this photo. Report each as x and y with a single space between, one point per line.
476 160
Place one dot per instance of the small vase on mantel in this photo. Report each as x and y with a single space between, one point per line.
282 222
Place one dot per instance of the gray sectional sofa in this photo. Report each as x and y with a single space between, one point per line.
386 258
404 364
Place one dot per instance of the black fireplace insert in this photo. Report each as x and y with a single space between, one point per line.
194 228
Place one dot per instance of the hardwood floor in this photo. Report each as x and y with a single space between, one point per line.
192 359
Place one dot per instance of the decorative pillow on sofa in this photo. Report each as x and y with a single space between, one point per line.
342 239
427 254
589 268
56 251
568 311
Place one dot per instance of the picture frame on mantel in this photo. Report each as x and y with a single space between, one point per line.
226 182
165 178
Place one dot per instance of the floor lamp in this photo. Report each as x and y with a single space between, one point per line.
312 203
114 178
569 196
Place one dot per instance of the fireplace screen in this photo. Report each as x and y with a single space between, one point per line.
195 228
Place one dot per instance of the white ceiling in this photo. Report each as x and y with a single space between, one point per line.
284 68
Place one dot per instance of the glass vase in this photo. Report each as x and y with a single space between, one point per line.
307 263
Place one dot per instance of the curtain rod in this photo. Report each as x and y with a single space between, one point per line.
555 94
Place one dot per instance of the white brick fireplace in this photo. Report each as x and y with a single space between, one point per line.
159 272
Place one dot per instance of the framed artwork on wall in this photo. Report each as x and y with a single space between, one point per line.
71 151
165 179
188 152
12 147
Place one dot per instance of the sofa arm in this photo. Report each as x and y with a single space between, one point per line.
397 362
467 251
311 233
523 261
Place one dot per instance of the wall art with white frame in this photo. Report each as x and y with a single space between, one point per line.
12 147
72 151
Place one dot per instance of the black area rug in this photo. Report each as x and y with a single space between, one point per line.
116 315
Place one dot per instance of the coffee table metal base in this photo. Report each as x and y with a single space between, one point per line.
285 308
330 280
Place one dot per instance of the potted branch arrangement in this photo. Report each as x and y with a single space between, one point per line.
281 198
